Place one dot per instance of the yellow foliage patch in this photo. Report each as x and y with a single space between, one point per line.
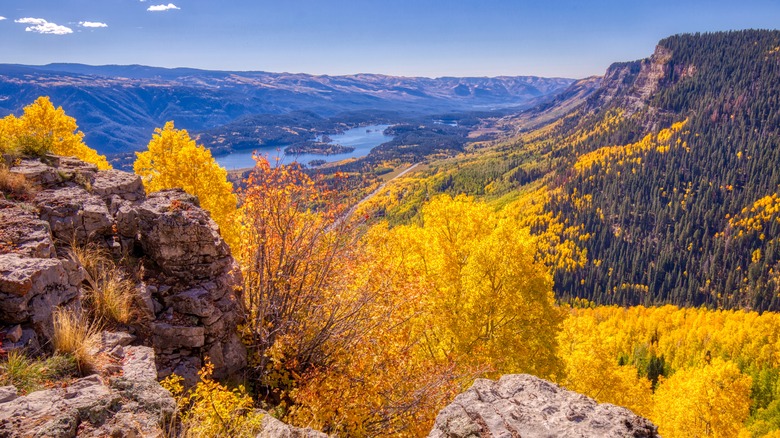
758 215
628 153
42 129
210 409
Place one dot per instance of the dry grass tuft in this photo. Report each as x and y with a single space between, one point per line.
94 258
110 293
13 186
77 336
113 298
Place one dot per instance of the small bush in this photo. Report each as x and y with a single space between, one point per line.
77 336
29 375
30 145
212 410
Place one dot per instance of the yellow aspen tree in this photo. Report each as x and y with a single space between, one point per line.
174 160
8 134
42 128
488 302
712 401
592 368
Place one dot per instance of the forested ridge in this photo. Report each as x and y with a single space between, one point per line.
687 217
661 226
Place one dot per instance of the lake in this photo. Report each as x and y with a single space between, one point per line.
363 139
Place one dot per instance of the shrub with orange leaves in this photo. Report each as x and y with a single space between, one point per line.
296 257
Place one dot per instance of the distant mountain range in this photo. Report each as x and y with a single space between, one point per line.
118 107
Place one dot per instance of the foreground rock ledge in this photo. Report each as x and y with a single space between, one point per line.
520 405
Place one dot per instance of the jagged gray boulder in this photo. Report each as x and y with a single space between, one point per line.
74 214
521 405
24 232
114 182
181 237
31 288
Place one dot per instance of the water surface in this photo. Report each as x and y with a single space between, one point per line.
363 139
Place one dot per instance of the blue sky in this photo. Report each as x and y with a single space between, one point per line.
399 37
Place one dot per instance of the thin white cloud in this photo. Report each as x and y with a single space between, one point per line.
31 21
92 24
2 18
160 8
39 25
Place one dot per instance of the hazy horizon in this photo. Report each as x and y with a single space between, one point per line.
183 67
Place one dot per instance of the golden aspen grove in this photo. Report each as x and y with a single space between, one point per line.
367 330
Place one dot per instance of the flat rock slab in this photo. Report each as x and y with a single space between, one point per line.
20 276
37 173
114 182
57 412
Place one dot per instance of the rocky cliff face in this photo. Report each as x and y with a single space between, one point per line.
188 284
528 407
629 85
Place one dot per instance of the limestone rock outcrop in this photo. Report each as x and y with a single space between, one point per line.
188 285
180 237
525 406
193 290
33 281
74 214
